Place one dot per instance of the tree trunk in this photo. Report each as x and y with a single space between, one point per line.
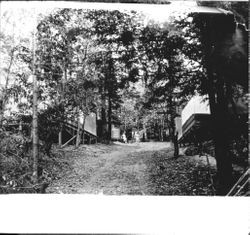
159 131
109 119
1 111
3 99
78 133
219 112
63 80
162 129
174 138
172 129
34 119
176 145
219 115
145 132
224 164
103 115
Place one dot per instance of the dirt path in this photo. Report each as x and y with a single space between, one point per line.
116 169
132 169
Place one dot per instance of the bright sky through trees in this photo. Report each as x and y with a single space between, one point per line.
155 12
18 18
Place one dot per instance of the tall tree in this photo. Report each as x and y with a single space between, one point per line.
63 49
116 34
165 71
224 60
55 39
12 68
35 115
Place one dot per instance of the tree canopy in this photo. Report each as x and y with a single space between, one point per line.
129 71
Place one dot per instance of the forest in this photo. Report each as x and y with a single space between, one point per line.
127 70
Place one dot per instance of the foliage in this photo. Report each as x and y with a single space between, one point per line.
16 156
89 60
12 66
169 72
128 115
180 176
49 123
16 165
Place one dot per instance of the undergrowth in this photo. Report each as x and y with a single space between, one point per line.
16 164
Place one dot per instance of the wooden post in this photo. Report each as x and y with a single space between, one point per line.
69 141
60 138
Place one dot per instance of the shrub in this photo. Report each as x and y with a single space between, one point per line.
16 165
15 162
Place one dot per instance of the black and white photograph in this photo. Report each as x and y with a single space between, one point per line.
124 98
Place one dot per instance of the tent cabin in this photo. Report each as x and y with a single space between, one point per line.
115 132
195 122
102 130
89 131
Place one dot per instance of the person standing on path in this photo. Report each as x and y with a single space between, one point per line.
124 137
